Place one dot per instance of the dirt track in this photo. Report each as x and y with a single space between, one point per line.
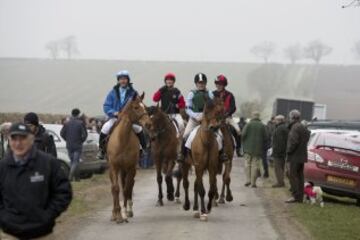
249 216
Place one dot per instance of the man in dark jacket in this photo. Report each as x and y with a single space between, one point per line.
297 155
253 137
34 190
74 132
43 141
279 149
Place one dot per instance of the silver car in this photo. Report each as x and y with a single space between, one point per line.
89 164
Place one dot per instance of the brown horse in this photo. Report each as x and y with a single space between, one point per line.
123 156
164 145
204 156
229 151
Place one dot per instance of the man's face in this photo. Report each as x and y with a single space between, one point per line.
220 87
201 85
20 144
169 83
32 127
123 82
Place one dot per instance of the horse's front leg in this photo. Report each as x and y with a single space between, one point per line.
186 184
224 180
115 190
159 179
229 196
213 188
201 191
128 192
178 175
169 180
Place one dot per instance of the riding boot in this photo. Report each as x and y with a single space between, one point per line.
182 154
223 157
102 146
237 138
143 143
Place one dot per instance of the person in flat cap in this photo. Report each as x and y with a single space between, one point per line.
34 189
279 144
43 141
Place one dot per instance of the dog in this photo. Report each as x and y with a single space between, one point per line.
313 194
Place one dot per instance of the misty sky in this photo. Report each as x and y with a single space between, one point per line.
186 30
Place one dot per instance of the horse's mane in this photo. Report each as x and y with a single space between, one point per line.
159 114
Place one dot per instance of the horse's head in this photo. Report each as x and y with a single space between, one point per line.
157 121
214 113
136 110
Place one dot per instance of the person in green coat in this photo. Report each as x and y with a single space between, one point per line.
254 137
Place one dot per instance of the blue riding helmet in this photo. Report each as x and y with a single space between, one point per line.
123 74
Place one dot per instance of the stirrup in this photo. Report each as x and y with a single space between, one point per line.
100 155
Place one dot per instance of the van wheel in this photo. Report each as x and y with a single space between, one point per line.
65 168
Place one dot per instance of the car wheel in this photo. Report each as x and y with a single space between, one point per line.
65 168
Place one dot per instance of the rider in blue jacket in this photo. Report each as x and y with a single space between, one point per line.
114 103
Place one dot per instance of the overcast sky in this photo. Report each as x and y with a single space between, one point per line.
186 30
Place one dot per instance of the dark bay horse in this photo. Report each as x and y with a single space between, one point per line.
164 145
204 156
123 156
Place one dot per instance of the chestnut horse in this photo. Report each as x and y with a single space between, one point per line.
123 151
164 145
229 151
204 156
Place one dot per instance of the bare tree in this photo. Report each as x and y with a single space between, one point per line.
356 49
316 50
69 45
264 50
352 3
53 47
293 53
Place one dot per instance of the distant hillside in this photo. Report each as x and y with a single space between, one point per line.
56 86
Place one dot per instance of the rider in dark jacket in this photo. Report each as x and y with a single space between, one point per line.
43 140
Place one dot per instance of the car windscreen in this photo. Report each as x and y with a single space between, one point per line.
344 141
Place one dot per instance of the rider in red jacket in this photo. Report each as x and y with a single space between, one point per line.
221 82
172 101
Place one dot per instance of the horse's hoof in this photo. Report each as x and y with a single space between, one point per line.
177 201
196 215
130 214
229 198
159 203
221 201
112 219
186 206
204 217
170 197
119 220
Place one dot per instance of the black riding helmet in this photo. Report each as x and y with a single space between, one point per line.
200 77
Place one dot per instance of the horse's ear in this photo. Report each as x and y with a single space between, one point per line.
142 96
